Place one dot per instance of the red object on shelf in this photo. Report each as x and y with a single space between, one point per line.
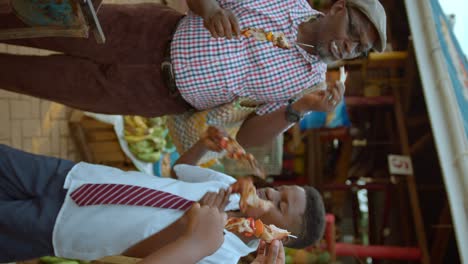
288 164
369 101
329 134
378 252
361 251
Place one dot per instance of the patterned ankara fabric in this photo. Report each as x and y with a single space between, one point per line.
186 129
210 72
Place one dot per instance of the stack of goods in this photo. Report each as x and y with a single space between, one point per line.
147 138
57 260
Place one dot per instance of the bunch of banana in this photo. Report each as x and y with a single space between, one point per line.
57 260
145 137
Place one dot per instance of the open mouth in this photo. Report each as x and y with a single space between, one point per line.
261 194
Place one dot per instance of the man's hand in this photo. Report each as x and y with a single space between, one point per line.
205 227
212 138
270 254
216 200
323 101
221 23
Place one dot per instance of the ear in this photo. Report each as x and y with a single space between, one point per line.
338 6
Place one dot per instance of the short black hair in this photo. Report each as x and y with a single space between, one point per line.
313 221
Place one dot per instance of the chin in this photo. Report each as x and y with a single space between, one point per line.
325 56
328 59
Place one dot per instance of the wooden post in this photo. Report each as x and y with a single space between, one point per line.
410 179
5 7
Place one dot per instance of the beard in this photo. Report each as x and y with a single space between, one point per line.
323 52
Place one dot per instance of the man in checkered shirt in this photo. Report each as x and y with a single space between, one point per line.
157 61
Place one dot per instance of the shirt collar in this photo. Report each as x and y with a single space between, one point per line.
309 57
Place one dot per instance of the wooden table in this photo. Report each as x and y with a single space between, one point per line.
80 17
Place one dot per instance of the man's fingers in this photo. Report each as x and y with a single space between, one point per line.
208 199
219 199
336 95
223 24
203 199
234 24
225 218
227 27
261 248
195 206
223 198
281 254
213 146
210 26
227 194
216 200
212 199
219 28
341 86
273 252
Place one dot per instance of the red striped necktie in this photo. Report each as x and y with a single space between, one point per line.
96 194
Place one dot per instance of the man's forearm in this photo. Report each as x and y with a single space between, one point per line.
191 156
180 251
157 241
203 7
260 130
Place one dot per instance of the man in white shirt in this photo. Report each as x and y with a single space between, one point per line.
39 217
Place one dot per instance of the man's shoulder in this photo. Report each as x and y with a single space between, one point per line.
192 173
94 173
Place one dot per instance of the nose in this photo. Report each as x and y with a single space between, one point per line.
351 49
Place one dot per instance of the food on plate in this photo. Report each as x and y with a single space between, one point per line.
146 137
277 38
249 197
249 227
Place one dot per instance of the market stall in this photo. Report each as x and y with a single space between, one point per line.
444 74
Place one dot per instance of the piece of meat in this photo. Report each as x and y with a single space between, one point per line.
244 226
272 232
249 197
249 227
235 151
277 38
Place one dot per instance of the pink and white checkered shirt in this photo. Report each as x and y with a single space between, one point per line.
210 72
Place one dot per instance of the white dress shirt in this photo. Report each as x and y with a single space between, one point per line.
92 232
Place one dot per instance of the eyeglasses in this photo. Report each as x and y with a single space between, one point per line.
355 36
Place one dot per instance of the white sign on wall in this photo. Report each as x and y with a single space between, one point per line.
399 164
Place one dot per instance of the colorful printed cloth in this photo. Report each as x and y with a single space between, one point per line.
186 129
